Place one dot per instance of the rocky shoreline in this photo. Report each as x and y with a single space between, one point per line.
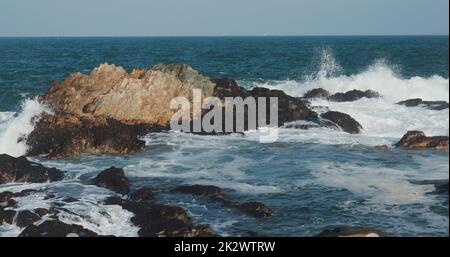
109 110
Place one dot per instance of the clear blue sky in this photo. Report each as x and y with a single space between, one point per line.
222 17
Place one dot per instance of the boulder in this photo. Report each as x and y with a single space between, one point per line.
113 179
9 216
344 121
353 95
157 220
349 231
316 93
4 197
418 140
20 170
26 218
433 105
54 228
229 88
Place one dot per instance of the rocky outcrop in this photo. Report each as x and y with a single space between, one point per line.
140 97
54 228
352 232
418 140
433 105
20 170
68 135
113 179
316 93
353 95
254 209
344 121
144 194
157 220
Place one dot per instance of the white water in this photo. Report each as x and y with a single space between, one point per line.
15 127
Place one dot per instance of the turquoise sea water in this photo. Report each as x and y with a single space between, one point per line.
311 179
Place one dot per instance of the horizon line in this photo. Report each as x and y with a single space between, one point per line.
225 35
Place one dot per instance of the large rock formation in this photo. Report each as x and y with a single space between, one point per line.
109 110
20 170
353 95
418 140
113 179
344 121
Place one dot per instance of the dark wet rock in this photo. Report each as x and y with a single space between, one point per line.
212 192
2 214
344 121
41 212
418 140
157 220
66 136
348 231
11 203
4 197
54 228
142 195
289 108
353 95
113 179
229 88
9 216
255 209
25 192
26 218
20 170
316 93
433 105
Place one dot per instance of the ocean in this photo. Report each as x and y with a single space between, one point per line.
311 179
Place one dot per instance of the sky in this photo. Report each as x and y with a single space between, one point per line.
222 17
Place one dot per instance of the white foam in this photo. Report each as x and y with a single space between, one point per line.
15 127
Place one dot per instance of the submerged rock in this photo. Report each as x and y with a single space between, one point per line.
418 140
433 105
353 95
255 209
26 218
20 170
54 228
352 232
344 121
113 179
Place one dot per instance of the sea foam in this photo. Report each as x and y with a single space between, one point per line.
14 127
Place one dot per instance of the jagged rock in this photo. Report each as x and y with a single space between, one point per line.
143 194
433 105
418 140
255 209
26 218
69 135
140 97
344 121
157 220
113 179
316 93
352 232
54 228
20 170
353 95
229 88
